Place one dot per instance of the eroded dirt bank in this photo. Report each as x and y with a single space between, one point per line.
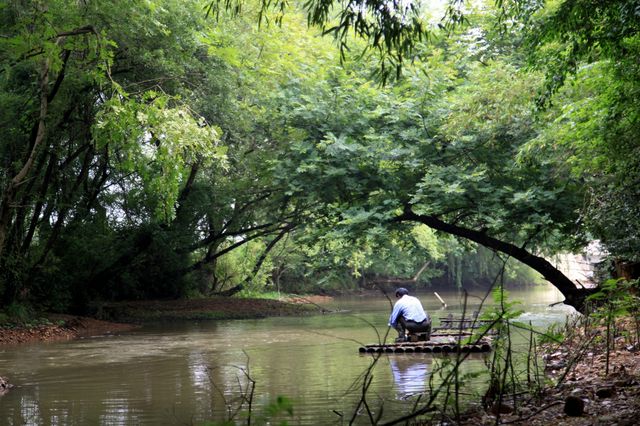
62 327
126 316
585 384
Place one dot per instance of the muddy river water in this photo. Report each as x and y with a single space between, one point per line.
195 372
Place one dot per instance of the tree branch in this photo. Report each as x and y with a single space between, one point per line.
574 296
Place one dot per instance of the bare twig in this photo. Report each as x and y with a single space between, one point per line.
522 419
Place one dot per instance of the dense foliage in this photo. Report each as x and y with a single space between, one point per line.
176 148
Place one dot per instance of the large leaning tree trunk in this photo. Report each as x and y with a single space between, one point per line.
574 296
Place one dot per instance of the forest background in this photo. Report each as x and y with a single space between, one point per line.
176 149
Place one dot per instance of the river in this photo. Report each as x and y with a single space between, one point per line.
193 372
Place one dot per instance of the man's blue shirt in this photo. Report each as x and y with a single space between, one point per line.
408 307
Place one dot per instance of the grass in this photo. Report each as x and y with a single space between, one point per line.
271 295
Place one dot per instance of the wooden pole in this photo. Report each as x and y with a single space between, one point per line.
444 305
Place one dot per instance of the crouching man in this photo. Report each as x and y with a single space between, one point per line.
408 316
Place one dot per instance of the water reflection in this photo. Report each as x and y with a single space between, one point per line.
410 374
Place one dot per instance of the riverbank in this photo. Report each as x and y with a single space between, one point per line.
56 327
122 317
586 384
587 397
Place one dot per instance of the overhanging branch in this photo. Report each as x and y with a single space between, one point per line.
574 296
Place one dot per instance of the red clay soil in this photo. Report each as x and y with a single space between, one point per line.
209 308
229 305
62 327
127 314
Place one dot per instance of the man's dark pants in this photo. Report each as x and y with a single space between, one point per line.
413 327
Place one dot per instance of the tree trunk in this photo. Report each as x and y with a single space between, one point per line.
7 201
230 292
266 251
574 296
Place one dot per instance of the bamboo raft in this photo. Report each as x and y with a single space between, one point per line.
431 346
448 338
451 323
